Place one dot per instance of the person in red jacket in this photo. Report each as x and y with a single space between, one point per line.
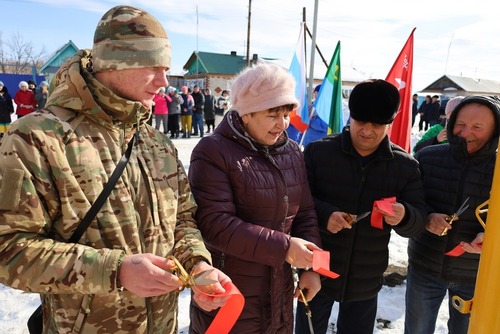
25 100
161 101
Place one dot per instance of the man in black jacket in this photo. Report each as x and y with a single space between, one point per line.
199 106
434 111
358 171
209 110
452 173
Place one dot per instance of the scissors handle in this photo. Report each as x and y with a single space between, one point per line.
306 304
450 221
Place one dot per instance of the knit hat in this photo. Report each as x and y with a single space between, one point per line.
263 87
374 101
23 84
171 89
44 83
127 37
452 103
1 84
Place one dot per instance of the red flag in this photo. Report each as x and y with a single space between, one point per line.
400 76
296 121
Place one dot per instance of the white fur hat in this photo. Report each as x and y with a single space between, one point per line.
263 87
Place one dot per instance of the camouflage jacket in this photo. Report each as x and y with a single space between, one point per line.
53 165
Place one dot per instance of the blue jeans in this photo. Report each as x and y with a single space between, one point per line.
354 317
424 295
198 124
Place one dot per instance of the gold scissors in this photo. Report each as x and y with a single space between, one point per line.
357 218
456 214
188 281
308 311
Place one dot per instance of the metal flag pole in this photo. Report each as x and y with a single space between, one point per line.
313 48
310 83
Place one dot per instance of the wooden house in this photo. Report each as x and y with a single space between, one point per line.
51 66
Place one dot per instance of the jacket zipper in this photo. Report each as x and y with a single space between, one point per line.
221 261
348 264
282 178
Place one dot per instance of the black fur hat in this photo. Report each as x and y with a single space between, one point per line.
374 101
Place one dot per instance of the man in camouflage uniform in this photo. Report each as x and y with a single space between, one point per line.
55 162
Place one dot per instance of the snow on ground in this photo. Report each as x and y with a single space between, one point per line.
16 306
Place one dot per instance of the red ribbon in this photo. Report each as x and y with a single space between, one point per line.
321 263
458 250
229 313
385 205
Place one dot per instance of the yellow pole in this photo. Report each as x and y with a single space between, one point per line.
486 304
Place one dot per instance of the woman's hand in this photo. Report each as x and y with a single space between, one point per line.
206 295
310 284
300 253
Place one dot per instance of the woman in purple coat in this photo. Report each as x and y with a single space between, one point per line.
255 209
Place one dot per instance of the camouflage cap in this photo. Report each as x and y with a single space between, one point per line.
127 37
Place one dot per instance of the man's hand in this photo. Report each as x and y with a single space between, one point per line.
338 220
309 283
437 223
475 246
147 275
206 295
300 253
398 210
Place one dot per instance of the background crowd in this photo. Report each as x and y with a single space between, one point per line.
171 112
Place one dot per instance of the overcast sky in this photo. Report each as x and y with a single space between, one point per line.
452 37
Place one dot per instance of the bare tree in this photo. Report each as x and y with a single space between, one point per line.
18 56
2 55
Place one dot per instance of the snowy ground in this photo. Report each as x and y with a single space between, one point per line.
16 306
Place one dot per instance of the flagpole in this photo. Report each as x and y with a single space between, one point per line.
313 48
305 56
317 47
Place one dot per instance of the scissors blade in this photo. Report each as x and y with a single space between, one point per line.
360 216
308 311
201 278
462 207
309 321
456 214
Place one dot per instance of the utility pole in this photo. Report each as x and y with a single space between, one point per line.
248 31
197 56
